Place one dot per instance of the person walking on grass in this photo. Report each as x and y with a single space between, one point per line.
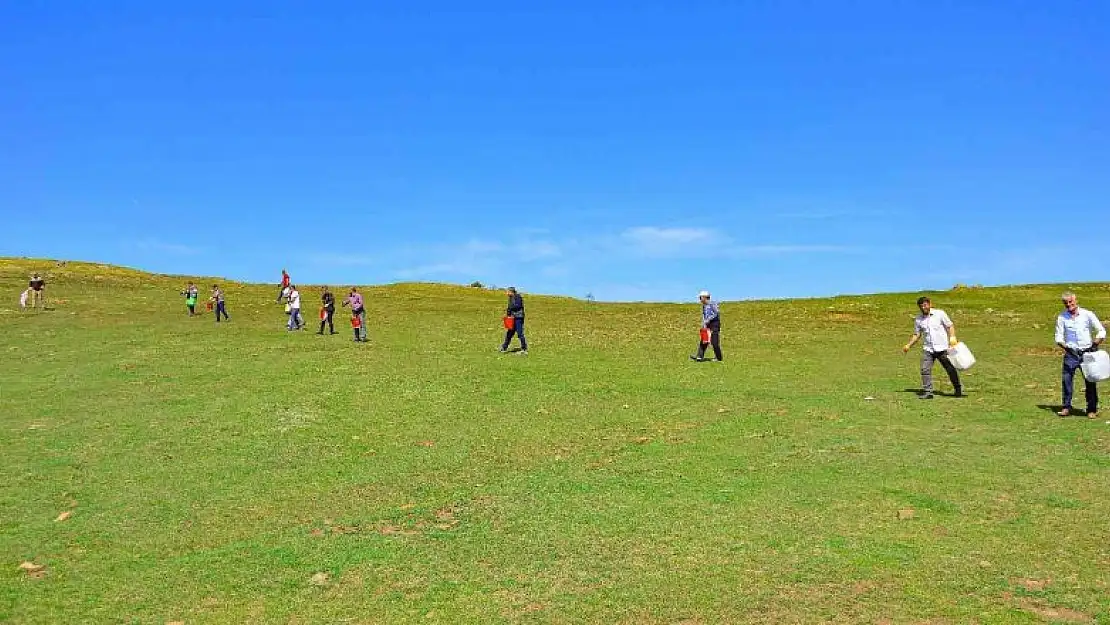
358 309
1074 329
283 291
940 334
328 314
221 305
38 291
191 294
515 311
296 322
711 328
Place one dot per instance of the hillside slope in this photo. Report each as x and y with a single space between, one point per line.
241 473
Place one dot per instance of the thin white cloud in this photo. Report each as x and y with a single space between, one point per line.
341 260
771 250
155 245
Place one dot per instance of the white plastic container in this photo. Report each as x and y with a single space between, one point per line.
961 356
1096 366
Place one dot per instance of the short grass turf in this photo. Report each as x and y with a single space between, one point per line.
239 473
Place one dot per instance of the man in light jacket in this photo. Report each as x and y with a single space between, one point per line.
1078 331
711 324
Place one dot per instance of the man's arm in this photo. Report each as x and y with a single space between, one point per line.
913 341
1060 333
950 328
1100 330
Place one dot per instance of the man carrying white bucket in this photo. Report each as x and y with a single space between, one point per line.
940 334
1073 334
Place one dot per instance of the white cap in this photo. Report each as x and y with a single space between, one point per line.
703 294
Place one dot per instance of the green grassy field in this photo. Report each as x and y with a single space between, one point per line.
239 473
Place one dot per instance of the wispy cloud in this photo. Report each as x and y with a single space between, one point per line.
155 245
329 259
657 241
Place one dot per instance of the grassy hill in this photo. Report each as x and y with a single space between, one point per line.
240 473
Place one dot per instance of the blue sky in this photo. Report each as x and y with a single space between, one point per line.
632 150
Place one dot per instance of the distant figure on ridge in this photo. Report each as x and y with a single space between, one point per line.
283 291
515 311
327 313
191 294
1073 334
38 288
218 300
940 334
711 328
296 322
358 310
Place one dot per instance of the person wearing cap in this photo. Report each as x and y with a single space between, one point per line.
940 333
515 310
711 323
1078 331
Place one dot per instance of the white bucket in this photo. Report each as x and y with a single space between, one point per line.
961 356
1096 366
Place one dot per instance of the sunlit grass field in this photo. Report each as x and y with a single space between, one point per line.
240 473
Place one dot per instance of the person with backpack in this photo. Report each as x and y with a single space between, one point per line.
358 310
711 328
327 313
515 311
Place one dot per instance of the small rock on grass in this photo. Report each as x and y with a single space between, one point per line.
905 514
320 579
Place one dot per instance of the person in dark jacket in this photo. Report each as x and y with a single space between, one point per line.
515 311
328 300
711 322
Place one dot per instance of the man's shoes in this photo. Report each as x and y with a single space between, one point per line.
697 358
320 334
1064 412
959 392
1092 414
334 332
523 352
925 396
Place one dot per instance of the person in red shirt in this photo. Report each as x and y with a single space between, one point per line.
284 285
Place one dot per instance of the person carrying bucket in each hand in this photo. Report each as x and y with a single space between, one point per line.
710 328
514 321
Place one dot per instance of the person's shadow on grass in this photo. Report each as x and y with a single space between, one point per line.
917 391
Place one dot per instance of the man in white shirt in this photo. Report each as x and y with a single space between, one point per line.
295 320
1073 334
934 325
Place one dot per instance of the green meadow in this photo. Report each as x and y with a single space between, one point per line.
165 469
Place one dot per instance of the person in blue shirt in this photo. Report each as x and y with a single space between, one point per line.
711 322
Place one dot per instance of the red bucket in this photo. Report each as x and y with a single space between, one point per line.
208 305
356 322
509 323
705 335
323 314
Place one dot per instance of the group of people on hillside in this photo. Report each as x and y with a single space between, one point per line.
292 297
1078 331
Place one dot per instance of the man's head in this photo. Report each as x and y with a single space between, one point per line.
511 291
1070 302
35 276
925 304
704 297
354 290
